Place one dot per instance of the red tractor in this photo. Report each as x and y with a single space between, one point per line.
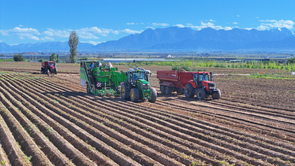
48 67
190 83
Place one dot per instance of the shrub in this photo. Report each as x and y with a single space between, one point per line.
18 57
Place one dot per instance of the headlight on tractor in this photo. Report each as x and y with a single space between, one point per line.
145 86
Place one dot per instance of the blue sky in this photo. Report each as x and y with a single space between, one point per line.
95 21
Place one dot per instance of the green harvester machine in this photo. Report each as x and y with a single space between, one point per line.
136 87
101 80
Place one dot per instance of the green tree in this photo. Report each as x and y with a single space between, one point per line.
18 57
57 58
52 57
73 43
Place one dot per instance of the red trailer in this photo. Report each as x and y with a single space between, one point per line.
190 83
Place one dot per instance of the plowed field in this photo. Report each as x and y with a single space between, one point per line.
52 121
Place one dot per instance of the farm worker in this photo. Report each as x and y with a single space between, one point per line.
91 66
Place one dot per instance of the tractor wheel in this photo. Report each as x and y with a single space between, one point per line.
168 90
124 92
189 90
162 89
42 70
200 94
87 89
153 96
134 95
48 72
217 95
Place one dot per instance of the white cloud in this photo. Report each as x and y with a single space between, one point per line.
133 23
160 24
1 41
46 38
270 24
91 42
207 25
130 31
57 33
238 15
23 33
179 25
235 23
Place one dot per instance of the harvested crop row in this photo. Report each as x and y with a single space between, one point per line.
208 137
112 104
287 115
121 159
94 155
31 149
222 115
85 105
158 156
11 147
97 133
59 142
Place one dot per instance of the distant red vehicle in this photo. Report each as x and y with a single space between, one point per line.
48 67
190 83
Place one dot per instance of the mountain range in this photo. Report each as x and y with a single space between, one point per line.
175 39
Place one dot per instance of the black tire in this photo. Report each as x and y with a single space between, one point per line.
153 95
162 89
48 72
124 92
87 89
217 95
134 94
168 90
189 91
200 93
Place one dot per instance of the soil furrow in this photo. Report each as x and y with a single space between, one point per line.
11 147
69 102
93 154
115 135
122 160
31 149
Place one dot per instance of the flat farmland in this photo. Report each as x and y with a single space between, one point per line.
52 121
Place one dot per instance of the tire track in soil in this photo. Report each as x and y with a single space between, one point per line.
123 160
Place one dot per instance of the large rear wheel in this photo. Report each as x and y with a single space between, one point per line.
134 95
162 89
200 93
124 92
189 90
153 96
168 90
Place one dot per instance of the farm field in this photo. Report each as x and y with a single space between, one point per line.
52 121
